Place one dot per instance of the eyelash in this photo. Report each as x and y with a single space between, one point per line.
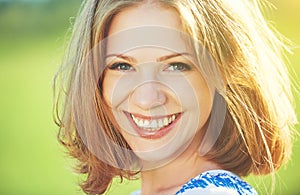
184 67
125 67
118 66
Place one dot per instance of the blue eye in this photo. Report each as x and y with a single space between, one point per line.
122 66
178 67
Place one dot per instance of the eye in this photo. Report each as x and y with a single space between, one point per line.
121 66
178 67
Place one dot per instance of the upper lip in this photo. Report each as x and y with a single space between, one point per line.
152 117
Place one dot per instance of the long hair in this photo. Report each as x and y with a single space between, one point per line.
255 137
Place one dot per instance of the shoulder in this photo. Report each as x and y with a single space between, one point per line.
217 182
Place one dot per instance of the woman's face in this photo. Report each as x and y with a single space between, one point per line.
152 84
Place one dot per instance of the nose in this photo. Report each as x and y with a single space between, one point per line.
148 96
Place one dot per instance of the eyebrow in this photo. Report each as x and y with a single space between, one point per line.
163 58
160 59
127 58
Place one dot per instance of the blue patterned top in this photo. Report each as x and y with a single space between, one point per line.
215 182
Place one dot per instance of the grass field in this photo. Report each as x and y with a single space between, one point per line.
31 45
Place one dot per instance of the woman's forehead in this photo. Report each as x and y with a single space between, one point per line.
147 38
145 14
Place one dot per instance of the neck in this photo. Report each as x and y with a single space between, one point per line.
169 178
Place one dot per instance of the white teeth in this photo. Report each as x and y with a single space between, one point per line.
166 122
141 122
160 123
146 123
173 117
153 125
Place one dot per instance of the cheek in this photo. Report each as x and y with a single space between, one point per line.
107 90
205 108
204 95
114 90
117 88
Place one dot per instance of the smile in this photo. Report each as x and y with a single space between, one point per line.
153 124
153 127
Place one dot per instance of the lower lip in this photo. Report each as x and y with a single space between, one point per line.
156 134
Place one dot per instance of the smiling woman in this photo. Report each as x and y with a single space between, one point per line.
156 86
151 110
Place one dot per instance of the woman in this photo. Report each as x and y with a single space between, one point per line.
191 95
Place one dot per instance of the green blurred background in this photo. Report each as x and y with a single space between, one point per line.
33 35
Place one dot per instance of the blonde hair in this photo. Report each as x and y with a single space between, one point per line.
255 137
